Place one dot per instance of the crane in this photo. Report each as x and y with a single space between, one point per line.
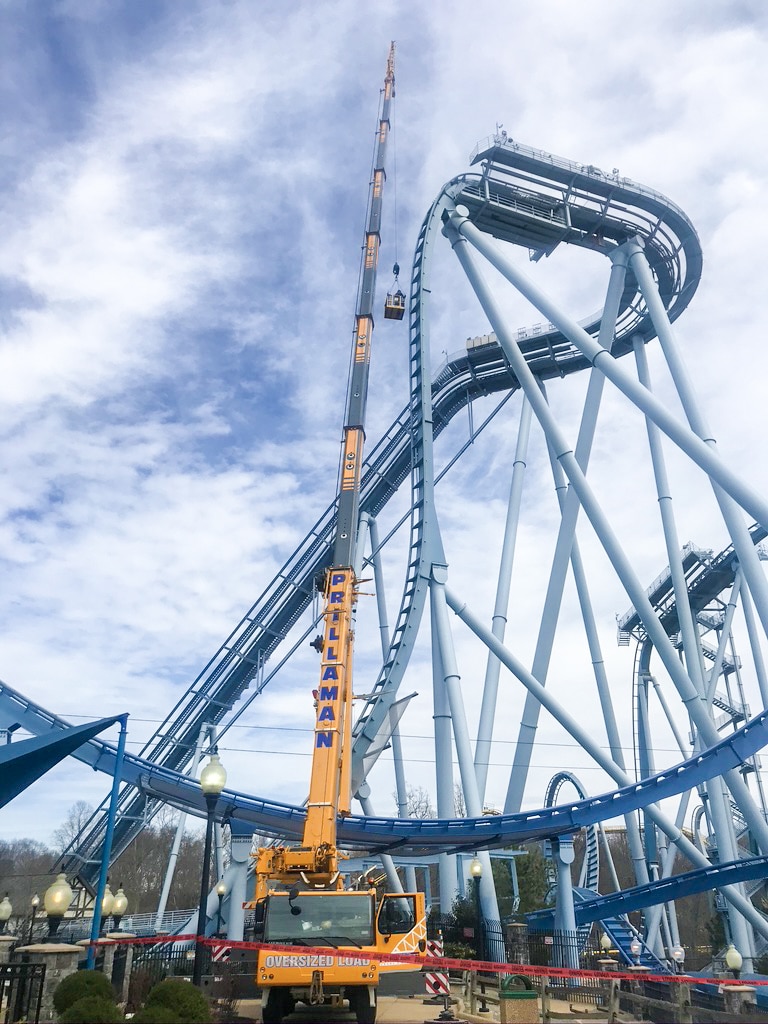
300 896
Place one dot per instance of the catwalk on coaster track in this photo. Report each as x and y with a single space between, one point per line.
531 199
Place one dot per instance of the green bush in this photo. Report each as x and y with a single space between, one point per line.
157 1015
183 998
79 985
459 951
92 1010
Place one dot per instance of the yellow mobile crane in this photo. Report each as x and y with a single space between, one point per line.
300 899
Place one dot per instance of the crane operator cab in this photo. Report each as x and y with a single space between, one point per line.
394 307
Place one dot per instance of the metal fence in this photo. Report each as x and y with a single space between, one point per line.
21 991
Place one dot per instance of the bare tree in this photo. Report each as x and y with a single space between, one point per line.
418 803
77 816
459 806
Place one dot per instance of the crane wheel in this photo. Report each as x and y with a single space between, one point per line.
362 1002
274 1007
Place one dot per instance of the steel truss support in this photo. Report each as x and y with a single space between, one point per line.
460 231
451 681
587 741
501 605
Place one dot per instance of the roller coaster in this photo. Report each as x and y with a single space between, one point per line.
519 198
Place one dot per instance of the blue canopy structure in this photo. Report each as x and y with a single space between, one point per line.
25 761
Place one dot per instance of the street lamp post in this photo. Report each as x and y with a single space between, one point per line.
476 873
221 892
6 909
213 778
56 901
34 903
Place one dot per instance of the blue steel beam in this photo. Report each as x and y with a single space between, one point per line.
599 908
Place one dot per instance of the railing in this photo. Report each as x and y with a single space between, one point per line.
21 992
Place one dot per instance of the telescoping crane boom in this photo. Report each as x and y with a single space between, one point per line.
300 897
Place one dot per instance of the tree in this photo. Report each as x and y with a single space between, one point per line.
459 806
25 869
532 878
77 817
141 868
418 803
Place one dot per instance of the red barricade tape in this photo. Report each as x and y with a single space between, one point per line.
449 963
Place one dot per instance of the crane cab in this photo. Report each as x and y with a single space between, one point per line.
394 307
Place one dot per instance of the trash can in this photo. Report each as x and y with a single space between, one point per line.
519 1007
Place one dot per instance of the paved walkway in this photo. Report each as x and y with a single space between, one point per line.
402 1010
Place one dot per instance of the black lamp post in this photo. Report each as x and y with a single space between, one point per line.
221 892
34 903
213 778
476 873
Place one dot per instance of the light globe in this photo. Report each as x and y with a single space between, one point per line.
213 778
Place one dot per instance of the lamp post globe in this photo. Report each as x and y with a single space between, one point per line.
56 901
476 868
634 948
119 906
733 960
605 942
213 778
107 902
678 955
6 909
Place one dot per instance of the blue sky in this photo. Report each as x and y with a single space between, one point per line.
182 204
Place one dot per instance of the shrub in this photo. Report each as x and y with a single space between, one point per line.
92 1010
80 985
459 951
183 998
157 1015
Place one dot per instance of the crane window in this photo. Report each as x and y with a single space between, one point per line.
396 915
337 917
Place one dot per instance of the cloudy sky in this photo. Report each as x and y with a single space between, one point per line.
182 205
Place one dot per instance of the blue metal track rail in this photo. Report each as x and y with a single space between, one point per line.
414 837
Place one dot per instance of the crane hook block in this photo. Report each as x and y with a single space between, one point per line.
394 307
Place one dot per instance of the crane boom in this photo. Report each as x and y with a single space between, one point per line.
300 899
316 860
